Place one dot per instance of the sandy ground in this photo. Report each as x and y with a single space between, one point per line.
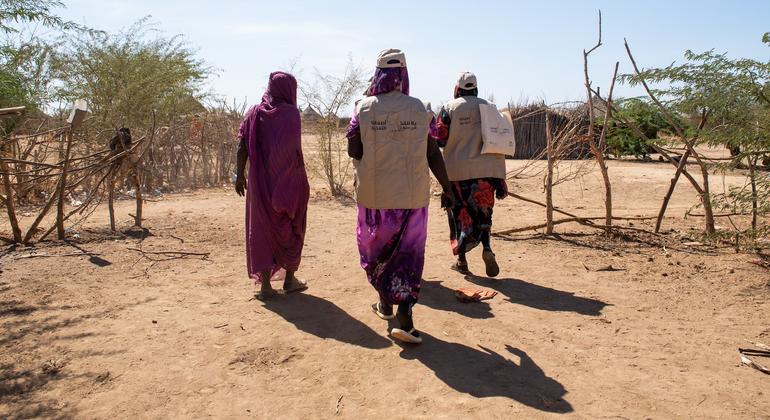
118 336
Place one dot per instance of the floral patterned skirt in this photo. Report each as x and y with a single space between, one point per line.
392 248
470 220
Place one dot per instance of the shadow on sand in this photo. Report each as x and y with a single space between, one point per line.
540 297
483 373
324 319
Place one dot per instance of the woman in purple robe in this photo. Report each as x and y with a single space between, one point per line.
391 242
277 190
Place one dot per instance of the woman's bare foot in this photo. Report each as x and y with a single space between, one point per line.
293 284
265 293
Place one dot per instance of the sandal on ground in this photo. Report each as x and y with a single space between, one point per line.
491 264
377 308
412 337
460 267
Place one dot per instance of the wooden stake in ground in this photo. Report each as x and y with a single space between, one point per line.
599 153
62 186
753 179
138 185
549 175
137 172
111 201
77 115
9 205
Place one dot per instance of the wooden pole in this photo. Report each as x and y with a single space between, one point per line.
549 175
33 227
63 186
9 204
753 178
111 200
600 154
138 184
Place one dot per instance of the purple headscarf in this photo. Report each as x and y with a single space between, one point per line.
384 81
388 80
277 188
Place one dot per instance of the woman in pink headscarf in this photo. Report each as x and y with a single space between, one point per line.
278 190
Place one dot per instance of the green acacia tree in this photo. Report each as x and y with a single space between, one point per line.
24 61
128 76
731 98
16 12
624 141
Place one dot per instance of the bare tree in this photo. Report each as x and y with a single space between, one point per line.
598 150
329 95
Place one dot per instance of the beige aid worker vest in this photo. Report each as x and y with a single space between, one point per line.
393 172
462 153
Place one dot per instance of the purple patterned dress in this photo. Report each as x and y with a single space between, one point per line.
392 248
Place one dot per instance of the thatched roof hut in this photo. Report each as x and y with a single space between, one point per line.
310 115
529 131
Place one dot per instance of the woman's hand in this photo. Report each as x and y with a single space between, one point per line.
502 191
240 185
241 158
448 199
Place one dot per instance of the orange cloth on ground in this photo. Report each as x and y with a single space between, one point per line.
470 295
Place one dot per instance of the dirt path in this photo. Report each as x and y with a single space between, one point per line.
115 336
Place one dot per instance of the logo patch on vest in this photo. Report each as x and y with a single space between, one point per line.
407 126
379 125
465 120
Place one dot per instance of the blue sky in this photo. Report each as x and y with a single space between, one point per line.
518 50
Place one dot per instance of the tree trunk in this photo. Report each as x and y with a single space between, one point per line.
753 179
111 201
204 155
706 195
680 167
63 187
9 204
607 187
549 176
706 198
139 201
599 152
33 227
